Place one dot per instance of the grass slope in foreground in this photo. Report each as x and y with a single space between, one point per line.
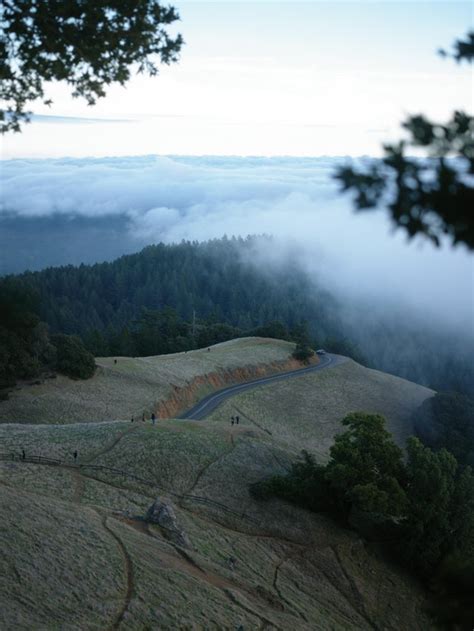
77 554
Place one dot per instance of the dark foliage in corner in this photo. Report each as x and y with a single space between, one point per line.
446 421
432 196
453 587
85 43
26 349
24 343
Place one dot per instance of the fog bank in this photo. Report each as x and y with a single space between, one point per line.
152 199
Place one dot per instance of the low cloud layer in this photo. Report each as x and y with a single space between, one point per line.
296 200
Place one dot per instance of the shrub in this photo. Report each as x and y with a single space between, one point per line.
302 354
305 485
72 358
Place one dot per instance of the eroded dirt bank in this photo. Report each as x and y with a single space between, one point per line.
186 396
130 387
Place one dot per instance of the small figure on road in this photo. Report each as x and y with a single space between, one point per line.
75 455
115 361
23 455
153 418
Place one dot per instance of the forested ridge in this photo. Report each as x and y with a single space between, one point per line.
215 281
176 297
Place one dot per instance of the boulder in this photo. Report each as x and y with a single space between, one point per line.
163 515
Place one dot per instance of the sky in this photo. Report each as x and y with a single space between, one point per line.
271 78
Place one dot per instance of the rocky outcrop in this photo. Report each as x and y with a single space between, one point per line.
186 396
163 515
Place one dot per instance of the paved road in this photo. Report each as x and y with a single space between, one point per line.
209 403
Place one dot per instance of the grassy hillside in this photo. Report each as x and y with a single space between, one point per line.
69 525
133 386
306 412
78 554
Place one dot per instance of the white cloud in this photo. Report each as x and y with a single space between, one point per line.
171 198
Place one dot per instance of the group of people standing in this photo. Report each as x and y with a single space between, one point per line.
234 420
152 418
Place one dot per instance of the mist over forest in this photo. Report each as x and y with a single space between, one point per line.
407 306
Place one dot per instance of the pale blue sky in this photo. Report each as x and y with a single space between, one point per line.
273 78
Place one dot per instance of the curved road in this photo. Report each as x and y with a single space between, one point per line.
209 403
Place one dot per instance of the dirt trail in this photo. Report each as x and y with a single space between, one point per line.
278 566
358 600
253 421
256 535
118 487
108 447
183 562
223 454
130 585
79 486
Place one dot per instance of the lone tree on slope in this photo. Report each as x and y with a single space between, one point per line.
89 44
302 350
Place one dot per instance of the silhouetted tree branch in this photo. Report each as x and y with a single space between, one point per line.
89 44
431 196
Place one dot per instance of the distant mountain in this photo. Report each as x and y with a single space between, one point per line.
34 243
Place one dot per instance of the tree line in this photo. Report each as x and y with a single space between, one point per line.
214 280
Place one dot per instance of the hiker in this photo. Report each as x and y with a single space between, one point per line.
115 361
232 418
153 418
23 455
75 455
237 418
133 420
208 350
232 421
